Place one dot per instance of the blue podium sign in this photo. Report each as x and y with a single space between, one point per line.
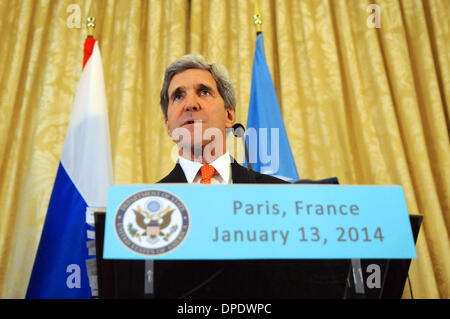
180 221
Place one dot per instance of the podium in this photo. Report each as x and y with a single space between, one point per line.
250 279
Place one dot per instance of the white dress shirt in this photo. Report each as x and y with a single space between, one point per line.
222 165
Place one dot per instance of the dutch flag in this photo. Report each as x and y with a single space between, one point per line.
66 252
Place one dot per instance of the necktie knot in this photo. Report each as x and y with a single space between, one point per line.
207 171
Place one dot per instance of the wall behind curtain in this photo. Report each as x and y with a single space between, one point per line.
370 106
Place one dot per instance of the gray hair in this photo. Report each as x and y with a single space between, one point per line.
197 61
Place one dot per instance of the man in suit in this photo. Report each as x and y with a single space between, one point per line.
198 103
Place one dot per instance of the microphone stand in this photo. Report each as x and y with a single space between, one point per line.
239 131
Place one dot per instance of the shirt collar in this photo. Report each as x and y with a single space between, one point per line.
221 164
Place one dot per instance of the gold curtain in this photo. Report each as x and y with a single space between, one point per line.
369 105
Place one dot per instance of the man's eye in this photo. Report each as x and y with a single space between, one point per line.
176 97
204 92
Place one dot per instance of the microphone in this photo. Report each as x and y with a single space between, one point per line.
239 131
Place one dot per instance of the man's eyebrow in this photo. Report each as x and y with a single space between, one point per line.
202 86
177 91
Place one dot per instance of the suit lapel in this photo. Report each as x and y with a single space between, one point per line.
239 174
175 176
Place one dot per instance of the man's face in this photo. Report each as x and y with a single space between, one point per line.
196 106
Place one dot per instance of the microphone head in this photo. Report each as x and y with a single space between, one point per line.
238 130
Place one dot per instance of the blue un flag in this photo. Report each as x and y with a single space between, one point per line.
269 149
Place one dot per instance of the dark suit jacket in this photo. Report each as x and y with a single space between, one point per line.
239 174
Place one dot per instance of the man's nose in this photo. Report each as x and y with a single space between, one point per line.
191 103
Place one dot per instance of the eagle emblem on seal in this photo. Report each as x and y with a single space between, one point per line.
153 223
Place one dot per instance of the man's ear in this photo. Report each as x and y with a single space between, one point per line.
230 117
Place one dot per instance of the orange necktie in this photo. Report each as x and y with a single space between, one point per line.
207 172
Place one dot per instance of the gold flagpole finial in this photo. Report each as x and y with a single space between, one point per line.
90 26
257 17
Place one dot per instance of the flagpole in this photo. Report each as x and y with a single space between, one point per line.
90 26
257 18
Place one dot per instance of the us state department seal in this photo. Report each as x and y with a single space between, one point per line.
152 222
